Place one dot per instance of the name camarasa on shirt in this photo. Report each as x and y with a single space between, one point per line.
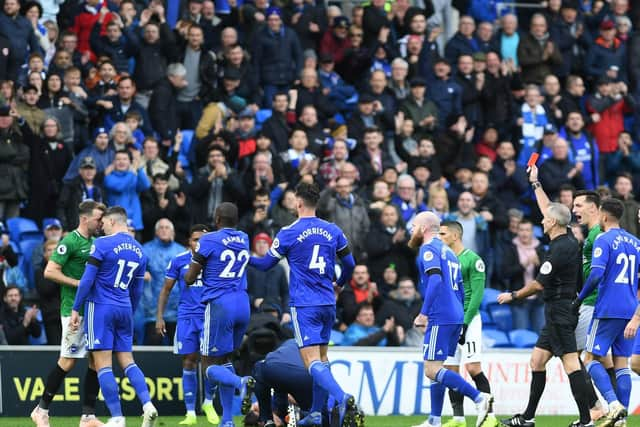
233 239
314 231
125 246
625 239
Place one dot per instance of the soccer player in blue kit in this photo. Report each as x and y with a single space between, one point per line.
443 315
311 246
188 329
614 270
222 257
111 286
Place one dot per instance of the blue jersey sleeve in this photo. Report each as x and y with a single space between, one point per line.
173 271
97 251
601 250
204 250
280 246
341 241
429 259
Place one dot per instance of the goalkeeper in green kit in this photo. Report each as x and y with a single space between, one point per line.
470 344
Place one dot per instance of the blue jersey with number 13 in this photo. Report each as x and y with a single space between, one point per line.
226 254
617 252
311 246
121 262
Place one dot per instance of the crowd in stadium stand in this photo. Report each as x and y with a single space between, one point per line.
393 107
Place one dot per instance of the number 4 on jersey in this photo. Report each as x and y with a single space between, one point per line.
317 262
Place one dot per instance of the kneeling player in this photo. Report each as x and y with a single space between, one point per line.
188 329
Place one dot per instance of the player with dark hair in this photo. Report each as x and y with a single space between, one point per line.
221 257
443 315
585 209
311 246
65 267
614 271
111 286
469 349
189 328
557 280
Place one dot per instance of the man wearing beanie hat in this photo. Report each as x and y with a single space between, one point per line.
277 56
606 52
99 151
269 285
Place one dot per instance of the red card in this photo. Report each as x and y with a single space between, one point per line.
533 159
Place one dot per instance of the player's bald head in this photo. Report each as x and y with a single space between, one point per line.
226 215
428 220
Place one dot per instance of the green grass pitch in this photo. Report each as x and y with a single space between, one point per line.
398 421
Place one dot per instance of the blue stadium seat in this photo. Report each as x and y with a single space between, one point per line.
42 339
486 318
490 297
32 235
15 247
183 155
17 226
494 338
501 315
26 247
523 338
336 337
262 116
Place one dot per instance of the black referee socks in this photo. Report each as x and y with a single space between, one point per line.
578 384
538 381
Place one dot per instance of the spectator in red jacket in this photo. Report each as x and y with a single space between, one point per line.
94 10
607 108
335 40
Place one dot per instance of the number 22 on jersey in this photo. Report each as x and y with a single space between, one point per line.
229 257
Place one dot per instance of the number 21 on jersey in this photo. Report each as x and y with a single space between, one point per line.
627 273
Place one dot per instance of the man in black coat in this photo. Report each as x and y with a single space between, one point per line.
163 110
18 323
77 190
403 304
213 184
276 55
558 170
278 127
153 53
201 77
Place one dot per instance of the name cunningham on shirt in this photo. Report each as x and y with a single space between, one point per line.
314 231
625 239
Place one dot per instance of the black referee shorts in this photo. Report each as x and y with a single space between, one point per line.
559 333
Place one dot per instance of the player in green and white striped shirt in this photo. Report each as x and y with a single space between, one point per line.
470 345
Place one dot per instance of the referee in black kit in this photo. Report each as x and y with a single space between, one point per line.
557 279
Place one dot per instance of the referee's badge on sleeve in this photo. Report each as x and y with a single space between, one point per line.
480 266
546 268
62 249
